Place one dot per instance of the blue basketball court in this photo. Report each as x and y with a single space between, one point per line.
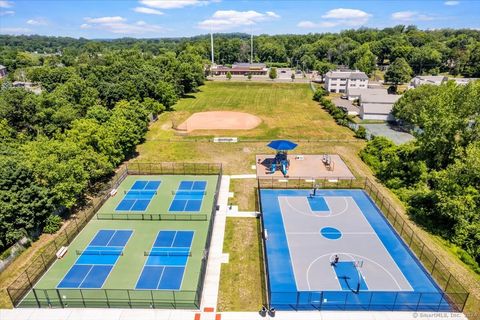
97 261
189 196
375 269
166 261
139 196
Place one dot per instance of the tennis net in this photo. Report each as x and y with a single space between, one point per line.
168 253
100 252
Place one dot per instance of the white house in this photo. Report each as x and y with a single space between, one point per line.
355 93
3 71
377 106
420 80
339 80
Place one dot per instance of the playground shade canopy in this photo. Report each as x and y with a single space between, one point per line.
282 145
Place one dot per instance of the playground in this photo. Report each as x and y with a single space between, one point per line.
334 250
326 166
220 120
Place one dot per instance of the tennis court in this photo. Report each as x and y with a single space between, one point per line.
95 263
166 261
133 262
188 197
335 250
139 196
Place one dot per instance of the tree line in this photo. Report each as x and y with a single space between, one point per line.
426 52
438 174
58 146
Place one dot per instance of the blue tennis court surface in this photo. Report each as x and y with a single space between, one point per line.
166 261
376 269
188 197
96 262
139 196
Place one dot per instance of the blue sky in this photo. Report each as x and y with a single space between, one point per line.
162 18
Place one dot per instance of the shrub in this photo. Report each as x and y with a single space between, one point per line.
319 93
361 132
52 224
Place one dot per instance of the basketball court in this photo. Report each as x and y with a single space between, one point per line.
333 250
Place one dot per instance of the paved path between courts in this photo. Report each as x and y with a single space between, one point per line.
215 254
148 314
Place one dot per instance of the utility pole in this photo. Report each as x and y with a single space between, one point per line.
211 46
251 48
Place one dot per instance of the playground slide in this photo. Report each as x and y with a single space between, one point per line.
284 168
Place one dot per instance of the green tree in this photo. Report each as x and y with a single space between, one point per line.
272 74
398 72
229 75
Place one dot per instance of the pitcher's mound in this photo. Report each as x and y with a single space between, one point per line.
220 120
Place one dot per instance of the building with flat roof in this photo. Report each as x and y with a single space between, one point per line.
339 81
421 80
241 69
355 93
377 106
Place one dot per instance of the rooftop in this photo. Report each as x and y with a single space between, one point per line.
350 74
377 108
359 91
379 98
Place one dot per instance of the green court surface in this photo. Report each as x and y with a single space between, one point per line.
118 290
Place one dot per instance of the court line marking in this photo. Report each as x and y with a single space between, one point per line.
153 246
311 213
318 233
380 213
358 272
160 279
150 200
100 264
351 255
191 189
288 245
89 270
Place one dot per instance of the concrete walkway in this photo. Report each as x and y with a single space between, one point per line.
234 213
147 314
215 254
243 176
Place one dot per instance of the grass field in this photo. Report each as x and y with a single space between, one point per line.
242 278
128 268
286 110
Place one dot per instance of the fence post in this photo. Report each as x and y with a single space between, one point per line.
448 282
60 298
434 264
106 297
418 302
36 298
421 253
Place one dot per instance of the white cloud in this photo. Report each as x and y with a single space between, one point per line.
174 4
105 19
37 22
451 3
7 13
6 4
15 30
148 10
338 17
229 19
409 16
119 25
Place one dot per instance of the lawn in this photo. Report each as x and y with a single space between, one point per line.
242 278
287 111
